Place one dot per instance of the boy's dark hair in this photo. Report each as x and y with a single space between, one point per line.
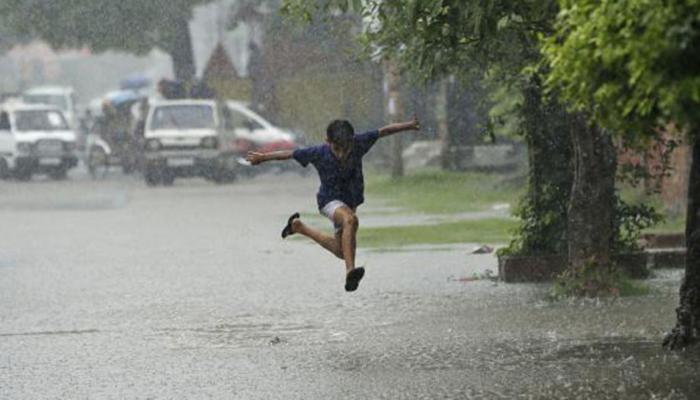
340 132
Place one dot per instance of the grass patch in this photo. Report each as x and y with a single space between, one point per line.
630 287
482 231
435 191
592 279
625 287
312 216
671 224
415 249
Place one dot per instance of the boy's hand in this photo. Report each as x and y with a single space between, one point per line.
255 158
414 124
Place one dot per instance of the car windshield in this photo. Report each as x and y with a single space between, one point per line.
54 100
236 119
183 117
40 120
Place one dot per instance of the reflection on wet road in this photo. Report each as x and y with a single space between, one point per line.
114 290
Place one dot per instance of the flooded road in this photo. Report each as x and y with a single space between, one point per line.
110 289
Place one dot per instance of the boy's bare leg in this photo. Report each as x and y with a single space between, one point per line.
328 242
346 218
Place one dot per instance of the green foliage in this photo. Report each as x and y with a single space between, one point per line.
590 280
631 287
504 116
596 281
632 65
630 221
593 280
670 224
542 223
440 37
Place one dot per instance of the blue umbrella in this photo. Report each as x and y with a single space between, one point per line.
121 97
134 82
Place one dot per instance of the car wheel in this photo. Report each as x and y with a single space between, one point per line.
4 169
129 164
223 176
59 173
167 177
152 174
23 175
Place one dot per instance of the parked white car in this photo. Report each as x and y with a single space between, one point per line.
35 139
62 97
181 138
245 130
247 125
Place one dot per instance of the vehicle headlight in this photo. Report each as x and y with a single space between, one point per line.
153 144
23 147
210 142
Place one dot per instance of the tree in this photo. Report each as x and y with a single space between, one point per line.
129 25
634 67
9 38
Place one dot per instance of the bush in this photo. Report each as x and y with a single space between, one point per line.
630 220
590 280
593 279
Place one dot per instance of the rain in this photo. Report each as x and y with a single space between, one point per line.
349 199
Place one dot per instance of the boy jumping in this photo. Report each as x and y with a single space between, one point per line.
339 166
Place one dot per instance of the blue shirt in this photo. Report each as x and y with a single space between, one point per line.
339 181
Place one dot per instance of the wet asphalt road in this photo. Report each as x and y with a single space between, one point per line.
110 289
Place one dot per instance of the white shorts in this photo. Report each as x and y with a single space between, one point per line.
329 210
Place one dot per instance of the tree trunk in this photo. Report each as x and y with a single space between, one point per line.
180 50
687 329
466 115
591 206
442 126
394 109
544 208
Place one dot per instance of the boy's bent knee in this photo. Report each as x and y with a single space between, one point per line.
351 220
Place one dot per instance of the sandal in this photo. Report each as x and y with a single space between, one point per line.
352 280
288 229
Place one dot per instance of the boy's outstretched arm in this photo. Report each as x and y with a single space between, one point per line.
412 125
256 158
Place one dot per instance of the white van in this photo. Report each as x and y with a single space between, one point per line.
35 139
181 138
62 97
